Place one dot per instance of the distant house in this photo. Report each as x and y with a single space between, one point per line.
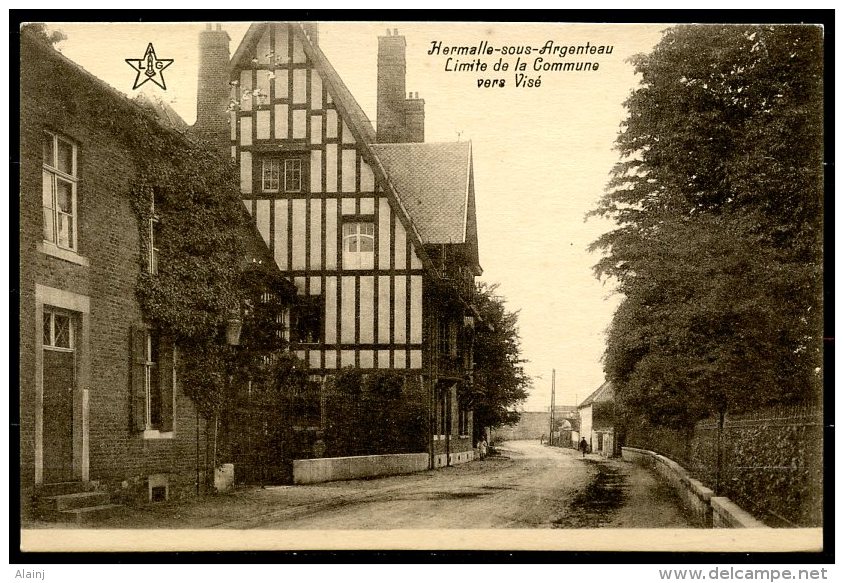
597 418
537 424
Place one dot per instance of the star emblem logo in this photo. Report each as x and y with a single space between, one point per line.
149 68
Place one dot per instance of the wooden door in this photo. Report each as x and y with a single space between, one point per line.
59 380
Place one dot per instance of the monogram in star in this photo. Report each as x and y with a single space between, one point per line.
149 68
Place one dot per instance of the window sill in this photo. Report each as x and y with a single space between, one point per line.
65 254
156 434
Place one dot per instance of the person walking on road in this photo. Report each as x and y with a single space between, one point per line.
583 447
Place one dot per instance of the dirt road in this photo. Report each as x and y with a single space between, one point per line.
528 486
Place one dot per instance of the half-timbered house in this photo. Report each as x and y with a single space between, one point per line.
376 229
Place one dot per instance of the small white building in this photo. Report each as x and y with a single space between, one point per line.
597 419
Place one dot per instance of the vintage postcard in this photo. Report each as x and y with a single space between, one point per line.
421 286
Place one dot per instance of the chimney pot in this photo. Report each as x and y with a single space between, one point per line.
219 26
388 32
395 32
208 26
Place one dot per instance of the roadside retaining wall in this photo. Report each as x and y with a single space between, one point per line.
454 458
312 471
709 510
727 514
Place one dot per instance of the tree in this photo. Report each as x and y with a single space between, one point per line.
499 379
718 202
39 31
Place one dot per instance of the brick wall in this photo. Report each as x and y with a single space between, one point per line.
108 237
213 89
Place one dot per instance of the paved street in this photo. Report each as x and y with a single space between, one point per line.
528 486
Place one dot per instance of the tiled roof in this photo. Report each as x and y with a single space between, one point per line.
432 180
603 393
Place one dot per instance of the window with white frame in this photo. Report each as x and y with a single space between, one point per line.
281 175
152 380
59 179
358 244
58 330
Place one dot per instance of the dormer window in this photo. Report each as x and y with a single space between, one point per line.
281 175
358 244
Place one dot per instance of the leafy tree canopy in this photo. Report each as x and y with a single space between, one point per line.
718 202
499 378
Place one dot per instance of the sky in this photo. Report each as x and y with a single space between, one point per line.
542 154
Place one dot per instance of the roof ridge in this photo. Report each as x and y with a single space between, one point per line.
112 91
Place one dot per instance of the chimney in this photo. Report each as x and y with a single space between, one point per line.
414 115
213 89
391 88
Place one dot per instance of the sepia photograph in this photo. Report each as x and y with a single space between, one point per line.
404 285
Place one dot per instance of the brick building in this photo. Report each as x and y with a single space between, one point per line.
376 229
101 407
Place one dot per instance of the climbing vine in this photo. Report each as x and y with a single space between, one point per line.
192 194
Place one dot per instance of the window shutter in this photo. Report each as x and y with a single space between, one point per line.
138 394
166 368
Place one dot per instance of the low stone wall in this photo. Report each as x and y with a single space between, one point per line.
727 514
312 471
709 510
455 458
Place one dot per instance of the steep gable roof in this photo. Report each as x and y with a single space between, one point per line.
431 184
353 110
602 394
432 180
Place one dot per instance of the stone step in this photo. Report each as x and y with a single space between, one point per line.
78 500
59 489
87 515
